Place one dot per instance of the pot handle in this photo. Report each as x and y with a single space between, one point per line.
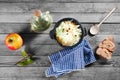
84 32
52 35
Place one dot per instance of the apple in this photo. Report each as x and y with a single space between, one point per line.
13 41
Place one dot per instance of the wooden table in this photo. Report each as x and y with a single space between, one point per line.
15 17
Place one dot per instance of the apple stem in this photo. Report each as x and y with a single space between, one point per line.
10 40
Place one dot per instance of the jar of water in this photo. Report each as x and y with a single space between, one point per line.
41 21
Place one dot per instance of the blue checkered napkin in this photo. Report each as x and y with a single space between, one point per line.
49 72
71 62
70 59
60 54
66 55
88 53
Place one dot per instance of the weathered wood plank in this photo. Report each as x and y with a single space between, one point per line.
69 1
27 78
43 50
43 61
10 28
105 29
19 28
58 7
81 17
43 45
106 73
32 38
17 15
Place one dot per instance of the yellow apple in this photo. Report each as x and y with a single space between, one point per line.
13 41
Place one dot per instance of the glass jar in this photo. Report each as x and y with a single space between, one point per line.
41 21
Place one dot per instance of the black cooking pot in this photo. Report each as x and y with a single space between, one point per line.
53 32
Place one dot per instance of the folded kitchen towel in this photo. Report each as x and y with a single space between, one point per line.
70 59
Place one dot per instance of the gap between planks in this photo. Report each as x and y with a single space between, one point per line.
60 1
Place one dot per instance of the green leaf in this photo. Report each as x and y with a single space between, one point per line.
27 59
24 54
25 62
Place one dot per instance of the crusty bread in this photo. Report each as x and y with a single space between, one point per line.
106 47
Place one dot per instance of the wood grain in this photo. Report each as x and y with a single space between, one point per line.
43 50
43 61
15 16
59 7
41 44
6 28
60 1
83 17
38 72
27 78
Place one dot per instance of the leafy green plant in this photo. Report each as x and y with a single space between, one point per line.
26 60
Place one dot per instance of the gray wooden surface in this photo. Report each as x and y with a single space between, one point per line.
15 17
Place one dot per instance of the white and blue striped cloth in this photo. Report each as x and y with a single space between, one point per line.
70 59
